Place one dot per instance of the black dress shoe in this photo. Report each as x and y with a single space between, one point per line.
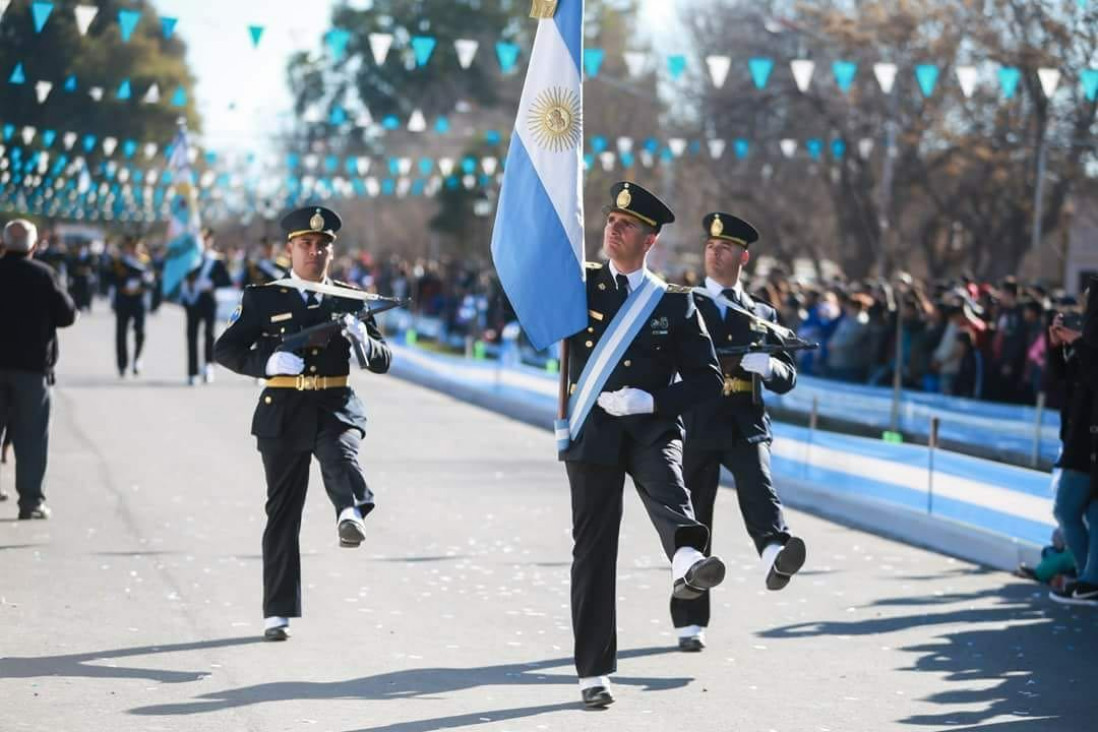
352 532
691 644
597 697
701 576
280 633
788 562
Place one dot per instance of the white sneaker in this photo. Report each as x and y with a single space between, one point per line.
351 528
208 375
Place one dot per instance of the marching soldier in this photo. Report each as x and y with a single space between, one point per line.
132 280
307 408
267 267
733 428
197 295
624 420
82 268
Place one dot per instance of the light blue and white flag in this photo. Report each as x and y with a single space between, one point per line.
537 241
185 228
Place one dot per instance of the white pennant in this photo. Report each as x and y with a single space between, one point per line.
466 50
966 77
4 6
607 159
718 69
886 76
312 115
43 89
362 165
404 165
677 145
310 161
716 148
469 182
152 96
403 186
150 150
109 145
446 166
635 61
372 187
69 139
380 43
490 164
28 134
1050 80
417 123
192 154
865 147
625 144
647 159
789 147
802 69
85 14
96 93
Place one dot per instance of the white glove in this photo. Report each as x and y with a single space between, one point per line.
758 363
626 401
354 329
285 363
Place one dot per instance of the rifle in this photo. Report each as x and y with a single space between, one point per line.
318 336
790 344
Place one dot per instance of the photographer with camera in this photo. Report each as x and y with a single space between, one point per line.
1071 363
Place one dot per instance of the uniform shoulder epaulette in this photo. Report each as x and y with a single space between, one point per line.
593 265
679 289
348 285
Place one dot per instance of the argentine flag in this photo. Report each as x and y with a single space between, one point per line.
537 240
185 228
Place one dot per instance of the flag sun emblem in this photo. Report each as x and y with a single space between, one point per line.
554 119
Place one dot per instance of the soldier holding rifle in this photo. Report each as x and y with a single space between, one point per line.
734 429
307 408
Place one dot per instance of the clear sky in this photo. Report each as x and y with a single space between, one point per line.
242 92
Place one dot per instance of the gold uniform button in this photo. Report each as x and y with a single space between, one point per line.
312 369
572 389
590 330
315 351
281 330
602 285
729 337
589 344
266 400
627 363
283 289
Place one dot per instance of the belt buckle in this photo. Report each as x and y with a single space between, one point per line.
305 383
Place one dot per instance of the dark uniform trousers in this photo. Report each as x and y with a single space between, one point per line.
646 447
202 314
291 427
734 432
128 309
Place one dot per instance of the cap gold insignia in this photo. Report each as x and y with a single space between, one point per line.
624 197
717 227
316 223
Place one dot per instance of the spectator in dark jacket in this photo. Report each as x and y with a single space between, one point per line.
33 305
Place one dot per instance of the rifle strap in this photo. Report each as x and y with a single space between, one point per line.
779 330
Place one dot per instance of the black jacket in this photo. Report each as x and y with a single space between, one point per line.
216 273
727 419
288 416
33 305
672 343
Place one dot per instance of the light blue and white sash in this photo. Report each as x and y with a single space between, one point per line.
621 331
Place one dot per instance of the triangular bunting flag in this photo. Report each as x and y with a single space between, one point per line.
150 150
802 69
442 125
337 39
592 61
256 32
179 98
1008 80
1050 80
716 148
760 71
152 96
507 54
43 89
490 164
966 77
422 48
718 69
96 93
48 136
70 83
109 145
742 147
676 65
127 22
789 147
886 76
85 14
129 148
677 146
625 144
18 76
865 147
814 146
927 76
416 123
446 166
844 72
635 61
364 118
167 26
337 116
28 134
380 43
69 140
466 49
838 148
124 91
40 11
598 144
89 143
1089 79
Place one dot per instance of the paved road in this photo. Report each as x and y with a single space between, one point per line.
137 606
